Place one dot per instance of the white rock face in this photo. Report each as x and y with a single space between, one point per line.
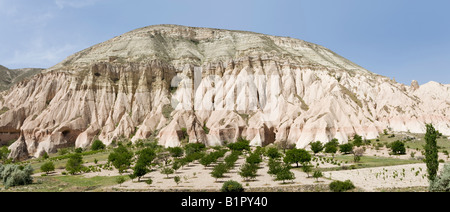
185 84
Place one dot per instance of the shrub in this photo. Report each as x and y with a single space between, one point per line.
219 170
316 147
357 140
48 167
274 166
284 173
254 158
167 171
120 180
398 148
75 163
232 186
240 145
331 147
273 153
442 182
346 148
97 145
248 171
339 186
176 151
14 175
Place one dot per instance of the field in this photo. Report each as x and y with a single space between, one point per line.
377 170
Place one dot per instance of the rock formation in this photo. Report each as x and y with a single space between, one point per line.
185 84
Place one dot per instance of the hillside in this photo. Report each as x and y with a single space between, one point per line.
184 84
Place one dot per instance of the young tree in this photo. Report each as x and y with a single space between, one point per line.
357 154
316 147
254 158
285 174
274 166
431 152
140 169
120 158
317 174
357 140
248 171
48 167
75 163
297 156
332 146
176 152
120 180
307 168
398 148
346 148
14 175
97 145
167 171
219 170
177 179
273 153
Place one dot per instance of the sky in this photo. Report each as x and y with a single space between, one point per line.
405 39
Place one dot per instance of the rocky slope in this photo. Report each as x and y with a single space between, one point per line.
9 77
184 84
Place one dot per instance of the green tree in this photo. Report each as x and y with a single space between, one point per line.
316 147
248 171
120 158
176 152
431 152
274 166
297 156
140 169
285 174
240 145
317 174
48 167
307 168
75 163
120 180
398 148
254 158
97 145
177 179
331 147
346 148
167 171
219 170
357 140
273 153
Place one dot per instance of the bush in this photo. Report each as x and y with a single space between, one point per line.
339 186
97 145
248 171
284 173
75 163
14 175
48 167
219 170
398 148
254 159
176 151
346 148
316 147
241 144
331 147
273 153
442 182
232 186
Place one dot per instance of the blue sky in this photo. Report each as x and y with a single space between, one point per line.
405 39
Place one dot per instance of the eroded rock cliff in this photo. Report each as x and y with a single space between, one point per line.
184 84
